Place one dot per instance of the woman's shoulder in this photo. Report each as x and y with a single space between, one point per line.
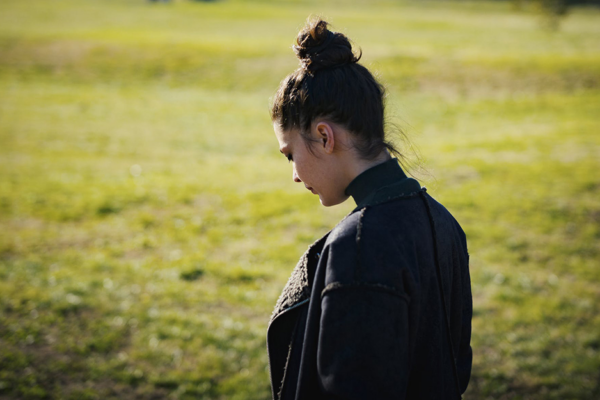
375 219
367 228
345 229
394 225
366 247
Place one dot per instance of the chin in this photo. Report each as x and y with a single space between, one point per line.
332 202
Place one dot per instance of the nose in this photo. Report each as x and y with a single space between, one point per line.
295 176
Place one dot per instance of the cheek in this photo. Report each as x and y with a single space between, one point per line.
330 184
302 166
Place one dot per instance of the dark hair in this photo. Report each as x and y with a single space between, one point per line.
330 83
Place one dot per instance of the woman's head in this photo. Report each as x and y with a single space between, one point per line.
330 93
330 84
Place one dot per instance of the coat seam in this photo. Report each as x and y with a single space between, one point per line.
365 286
441 288
358 237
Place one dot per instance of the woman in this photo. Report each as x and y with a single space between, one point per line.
380 307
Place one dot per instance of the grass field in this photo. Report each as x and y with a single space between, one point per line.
148 222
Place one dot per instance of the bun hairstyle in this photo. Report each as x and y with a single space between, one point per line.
318 48
331 84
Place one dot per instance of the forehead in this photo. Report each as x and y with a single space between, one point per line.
285 138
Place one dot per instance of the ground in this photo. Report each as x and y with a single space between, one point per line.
149 222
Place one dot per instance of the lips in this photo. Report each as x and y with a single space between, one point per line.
311 189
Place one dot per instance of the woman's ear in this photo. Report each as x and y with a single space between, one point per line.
325 136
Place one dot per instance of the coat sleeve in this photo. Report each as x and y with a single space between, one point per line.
363 342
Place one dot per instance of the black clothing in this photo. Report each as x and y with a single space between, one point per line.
367 185
361 316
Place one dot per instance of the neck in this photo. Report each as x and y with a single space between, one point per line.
357 165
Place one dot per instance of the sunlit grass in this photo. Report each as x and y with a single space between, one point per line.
148 222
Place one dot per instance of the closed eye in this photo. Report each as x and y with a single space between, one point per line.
288 155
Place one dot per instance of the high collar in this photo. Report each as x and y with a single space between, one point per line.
365 186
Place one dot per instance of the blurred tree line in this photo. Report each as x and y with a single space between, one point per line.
554 10
557 8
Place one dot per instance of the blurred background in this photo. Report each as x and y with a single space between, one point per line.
148 222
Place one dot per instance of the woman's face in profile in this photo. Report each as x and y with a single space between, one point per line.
317 169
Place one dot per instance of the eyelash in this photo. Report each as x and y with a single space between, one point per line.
289 157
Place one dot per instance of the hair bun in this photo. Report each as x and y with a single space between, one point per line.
318 48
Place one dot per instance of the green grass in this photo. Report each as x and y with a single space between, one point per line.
148 222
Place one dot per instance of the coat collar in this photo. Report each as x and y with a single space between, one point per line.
366 188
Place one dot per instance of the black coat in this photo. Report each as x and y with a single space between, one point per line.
362 316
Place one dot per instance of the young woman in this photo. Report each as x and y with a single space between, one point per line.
380 307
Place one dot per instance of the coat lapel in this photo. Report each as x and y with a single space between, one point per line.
298 287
